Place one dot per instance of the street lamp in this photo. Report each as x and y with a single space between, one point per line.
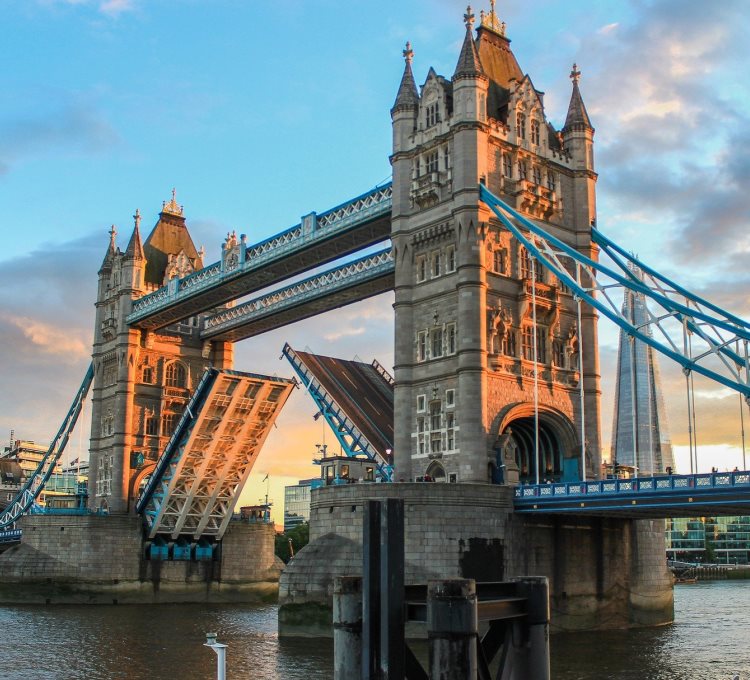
221 654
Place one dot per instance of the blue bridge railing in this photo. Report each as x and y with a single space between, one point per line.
635 486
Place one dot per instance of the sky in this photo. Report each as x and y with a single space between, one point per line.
259 113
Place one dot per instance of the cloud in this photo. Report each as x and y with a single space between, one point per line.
69 128
48 338
665 91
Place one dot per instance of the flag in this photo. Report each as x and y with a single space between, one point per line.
74 462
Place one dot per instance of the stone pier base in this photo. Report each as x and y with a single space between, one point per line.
100 560
603 573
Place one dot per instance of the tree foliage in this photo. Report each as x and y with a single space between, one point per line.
299 536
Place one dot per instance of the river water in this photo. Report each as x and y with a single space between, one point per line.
710 640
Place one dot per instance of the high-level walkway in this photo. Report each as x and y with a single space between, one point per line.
320 238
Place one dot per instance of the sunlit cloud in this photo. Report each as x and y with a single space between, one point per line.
49 339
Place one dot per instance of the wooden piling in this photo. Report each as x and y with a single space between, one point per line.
452 629
347 627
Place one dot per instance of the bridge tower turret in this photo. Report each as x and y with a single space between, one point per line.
465 304
142 379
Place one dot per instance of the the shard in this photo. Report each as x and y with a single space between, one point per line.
640 434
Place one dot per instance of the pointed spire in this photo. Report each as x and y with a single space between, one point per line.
111 250
408 96
469 65
135 249
577 116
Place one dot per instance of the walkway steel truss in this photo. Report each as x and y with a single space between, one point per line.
353 442
698 335
207 461
29 492
343 285
317 240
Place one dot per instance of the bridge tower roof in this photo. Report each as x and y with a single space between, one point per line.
577 116
169 236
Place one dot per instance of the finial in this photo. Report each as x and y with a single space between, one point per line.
575 74
408 53
490 20
173 208
112 234
469 18
137 218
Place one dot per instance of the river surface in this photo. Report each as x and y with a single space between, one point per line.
710 640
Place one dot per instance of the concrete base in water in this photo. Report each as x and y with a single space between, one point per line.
100 560
603 573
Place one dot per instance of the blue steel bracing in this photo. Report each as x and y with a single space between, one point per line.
29 492
681 312
337 420
187 419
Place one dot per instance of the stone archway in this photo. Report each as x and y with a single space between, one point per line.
138 482
516 444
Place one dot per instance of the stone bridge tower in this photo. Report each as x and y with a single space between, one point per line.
142 380
464 354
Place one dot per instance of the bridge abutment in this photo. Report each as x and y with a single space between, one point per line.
603 573
93 559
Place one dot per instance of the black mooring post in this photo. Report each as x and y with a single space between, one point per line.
371 591
392 643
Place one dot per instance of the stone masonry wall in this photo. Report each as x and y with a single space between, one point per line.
604 573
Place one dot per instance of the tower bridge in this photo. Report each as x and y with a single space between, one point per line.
491 251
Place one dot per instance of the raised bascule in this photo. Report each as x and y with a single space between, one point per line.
488 239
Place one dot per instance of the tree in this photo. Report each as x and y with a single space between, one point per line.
299 537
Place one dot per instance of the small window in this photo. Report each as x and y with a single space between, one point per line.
329 471
521 125
507 165
421 268
450 259
420 424
435 415
436 343
432 162
421 403
450 338
450 397
551 182
344 472
499 261
535 136
152 425
523 170
369 474
436 264
453 478
447 157
168 424
537 174
558 354
422 346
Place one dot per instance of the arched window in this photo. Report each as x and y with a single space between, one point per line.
436 472
535 136
507 165
521 125
176 375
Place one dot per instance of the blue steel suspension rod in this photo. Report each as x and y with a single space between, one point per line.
608 245
30 491
498 206
722 346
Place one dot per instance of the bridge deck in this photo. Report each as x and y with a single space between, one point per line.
719 494
209 457
319 239
356 400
